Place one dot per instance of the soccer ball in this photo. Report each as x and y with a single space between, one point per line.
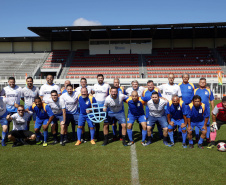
221 146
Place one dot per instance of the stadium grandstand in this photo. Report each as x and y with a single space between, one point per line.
118 51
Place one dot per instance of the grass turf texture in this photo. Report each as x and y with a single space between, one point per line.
95 164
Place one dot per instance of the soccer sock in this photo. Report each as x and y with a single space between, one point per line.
208 132
114 128
61 137
73 130
106 137
140 126
92 133
184 136
56 129
55 137
45 135
123 138
196 132
4 134
200 141
213 135
130 134
180 131
164 139
97 130
160 130
38 135
120 130
191 142
79 133
171 136
149 138
144 134
65 137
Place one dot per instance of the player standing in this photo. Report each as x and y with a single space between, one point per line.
3 121
135 87
63 89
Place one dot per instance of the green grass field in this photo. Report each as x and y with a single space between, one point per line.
88 164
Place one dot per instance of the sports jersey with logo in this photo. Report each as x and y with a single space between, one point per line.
101 92
85 103
45 90
13 96
187 91
56 106
140 91
170 90
176 111
42 113
156 109
115 105
197 114
205 94
220 112
29 95
71 102
20 123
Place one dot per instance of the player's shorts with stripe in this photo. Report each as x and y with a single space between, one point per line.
3 120
40 122
112 117
131 118
71 118
197 124
84 118
161 120
176 123
21 133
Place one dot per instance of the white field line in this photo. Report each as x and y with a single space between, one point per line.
134 166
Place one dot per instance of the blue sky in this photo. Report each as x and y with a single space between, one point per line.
17 15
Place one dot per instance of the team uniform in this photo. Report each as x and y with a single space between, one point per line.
197 116
206 96
13 96
85 103
29 96
101 92
220 112
170 90
42 118
72 114
3 114
187 91
140 91
45 90
136 112
20 126
89 89
176 113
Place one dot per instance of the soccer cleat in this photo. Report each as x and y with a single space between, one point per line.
171 144
143 143
62 143
78 143
211 146
191 146
121 139
115 138
148 142
83 141
54 142
130 143
66 141
45 144
105 142
15 144
208 140
165 143
124 143
92 142
39 142
3 143
200 146
184 145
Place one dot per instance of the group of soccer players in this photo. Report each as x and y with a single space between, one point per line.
181 107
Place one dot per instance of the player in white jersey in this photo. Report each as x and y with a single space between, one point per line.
28 95
45 90
101 91
58 107
157 114
19 131
3 121
83 83
13 94
70 99
113 105
170 89
135 87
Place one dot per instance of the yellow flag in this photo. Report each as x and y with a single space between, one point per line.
219 76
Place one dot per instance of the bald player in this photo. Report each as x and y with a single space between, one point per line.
63 89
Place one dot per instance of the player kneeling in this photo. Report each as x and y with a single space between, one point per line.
85 102
136 112
197 116
19 132
176 115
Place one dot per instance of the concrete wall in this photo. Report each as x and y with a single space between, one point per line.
182 43
22 47
80 45
5 47
161 43
64 45
204 43
41 46
220 42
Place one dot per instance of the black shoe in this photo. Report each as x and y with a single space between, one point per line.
191 146
105 142
66 141
62 143
15 144
200 146
124 143
54 142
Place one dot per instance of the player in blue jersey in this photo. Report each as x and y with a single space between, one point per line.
3 121
197 116
44 116
121 90
176 115
136 112
207 98
85 102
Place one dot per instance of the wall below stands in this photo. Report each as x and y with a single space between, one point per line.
5 46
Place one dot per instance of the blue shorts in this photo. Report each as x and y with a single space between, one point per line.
112 117
161 120
3 121
84 118
197 124
131 118
71 118
40 122
57 118
176 123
